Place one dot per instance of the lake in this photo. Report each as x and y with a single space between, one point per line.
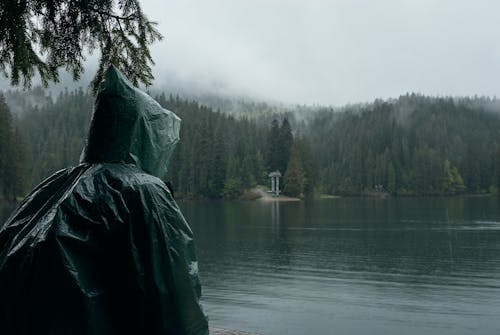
350 265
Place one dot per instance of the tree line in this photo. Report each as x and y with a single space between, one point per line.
218 155
413 145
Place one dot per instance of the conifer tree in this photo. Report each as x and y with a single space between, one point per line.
260 169
497 170
273 147
42 36
5 135
285 145
391 178
294 176
12 155
308 162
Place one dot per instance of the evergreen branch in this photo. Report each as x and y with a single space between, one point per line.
60 31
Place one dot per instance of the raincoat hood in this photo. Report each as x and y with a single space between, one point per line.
128 126
103 248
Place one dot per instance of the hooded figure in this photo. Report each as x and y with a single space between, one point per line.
102 248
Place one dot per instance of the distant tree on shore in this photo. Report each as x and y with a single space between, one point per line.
279 145
294 176
285 145
301 172
273 147
12 155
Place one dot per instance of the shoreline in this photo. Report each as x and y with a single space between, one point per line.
260 194
265 196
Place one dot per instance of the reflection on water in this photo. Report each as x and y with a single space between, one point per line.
351 266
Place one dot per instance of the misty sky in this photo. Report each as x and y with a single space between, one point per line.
331 51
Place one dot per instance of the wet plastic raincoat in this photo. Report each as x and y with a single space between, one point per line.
102 248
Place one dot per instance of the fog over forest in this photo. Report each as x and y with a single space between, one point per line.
327 52
330 52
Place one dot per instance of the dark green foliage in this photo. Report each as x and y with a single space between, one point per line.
12 155
391 178
42 36
54 133
294 176
217 155
285 144
279 145
260 171
233 185
309 165
302 172
5 141
413 145
273 147
496 183
410 146
452 181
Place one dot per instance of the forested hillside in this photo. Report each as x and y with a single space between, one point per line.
217 156
13 162
413 145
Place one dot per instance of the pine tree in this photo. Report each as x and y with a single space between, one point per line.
12 155
5 140
497 170
294 176
458 182
233 186
391 178
63 30
218 169
260 169
309 166
273 147
285 145
17 169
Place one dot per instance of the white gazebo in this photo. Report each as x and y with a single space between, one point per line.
275 182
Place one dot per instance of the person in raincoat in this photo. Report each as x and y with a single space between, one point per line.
102 248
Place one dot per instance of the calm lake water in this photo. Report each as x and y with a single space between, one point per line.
351 265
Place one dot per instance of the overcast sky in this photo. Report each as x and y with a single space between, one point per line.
329 51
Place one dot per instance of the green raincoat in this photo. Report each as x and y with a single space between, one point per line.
102 248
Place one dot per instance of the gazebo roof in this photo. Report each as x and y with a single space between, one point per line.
275 174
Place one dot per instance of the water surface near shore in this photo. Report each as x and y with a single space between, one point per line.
351 265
